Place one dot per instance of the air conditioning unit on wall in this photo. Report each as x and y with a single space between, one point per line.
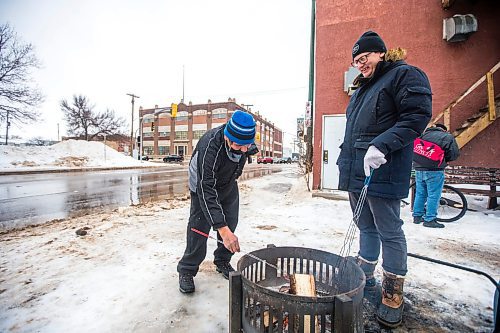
459 27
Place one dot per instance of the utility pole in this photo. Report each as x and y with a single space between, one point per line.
182 83
132 125
310 125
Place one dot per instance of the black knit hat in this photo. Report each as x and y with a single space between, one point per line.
368 42
441 126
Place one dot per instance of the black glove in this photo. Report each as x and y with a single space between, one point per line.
252 150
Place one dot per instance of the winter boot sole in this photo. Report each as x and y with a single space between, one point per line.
390 324
186 291
223 275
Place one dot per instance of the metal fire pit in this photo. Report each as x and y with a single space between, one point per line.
254 296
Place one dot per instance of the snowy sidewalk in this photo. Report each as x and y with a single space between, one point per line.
121 276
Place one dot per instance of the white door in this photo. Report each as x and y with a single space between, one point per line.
333 136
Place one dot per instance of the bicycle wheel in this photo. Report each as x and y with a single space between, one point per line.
452 205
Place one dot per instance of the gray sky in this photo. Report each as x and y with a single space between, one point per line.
256 51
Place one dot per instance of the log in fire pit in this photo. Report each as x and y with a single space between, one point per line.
256 303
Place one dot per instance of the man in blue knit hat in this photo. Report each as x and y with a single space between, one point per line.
216 164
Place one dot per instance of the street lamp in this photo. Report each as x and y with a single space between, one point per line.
7 129
157 111
104 135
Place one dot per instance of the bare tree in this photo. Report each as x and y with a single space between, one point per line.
82 120
18 99
108 123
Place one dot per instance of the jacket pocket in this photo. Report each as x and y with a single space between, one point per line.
417 96
419 90
381 175
360 148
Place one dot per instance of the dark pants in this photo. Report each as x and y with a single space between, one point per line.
380 224
196 244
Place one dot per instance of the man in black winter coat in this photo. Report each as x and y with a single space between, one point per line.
388 111
216 164
431 152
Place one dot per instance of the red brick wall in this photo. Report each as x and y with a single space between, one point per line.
415 25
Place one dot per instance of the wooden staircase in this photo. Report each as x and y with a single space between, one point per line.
479 121
475 124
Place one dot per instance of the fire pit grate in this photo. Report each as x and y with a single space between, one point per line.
257 305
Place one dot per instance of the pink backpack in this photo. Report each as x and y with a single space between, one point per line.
427 153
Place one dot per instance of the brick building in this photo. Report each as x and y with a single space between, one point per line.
453 63
163 135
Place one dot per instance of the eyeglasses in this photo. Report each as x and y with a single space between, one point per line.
361 60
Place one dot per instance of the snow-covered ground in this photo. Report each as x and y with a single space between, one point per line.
70 154
121 276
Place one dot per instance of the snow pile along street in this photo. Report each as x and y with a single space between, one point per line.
121 276
64 155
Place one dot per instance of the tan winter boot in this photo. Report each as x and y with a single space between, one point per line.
390 311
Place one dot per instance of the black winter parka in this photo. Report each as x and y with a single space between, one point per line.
389 110
215 174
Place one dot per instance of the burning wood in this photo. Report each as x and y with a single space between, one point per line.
301 285
304 285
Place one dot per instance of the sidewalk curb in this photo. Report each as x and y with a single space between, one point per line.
24 172
335 195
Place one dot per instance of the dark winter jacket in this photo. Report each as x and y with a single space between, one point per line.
212 172
389 110
444 140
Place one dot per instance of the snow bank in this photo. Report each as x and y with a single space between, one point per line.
65 154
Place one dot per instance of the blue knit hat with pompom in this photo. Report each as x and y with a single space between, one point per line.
240 129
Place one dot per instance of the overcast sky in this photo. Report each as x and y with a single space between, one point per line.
256 51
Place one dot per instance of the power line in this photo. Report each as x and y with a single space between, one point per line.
261 92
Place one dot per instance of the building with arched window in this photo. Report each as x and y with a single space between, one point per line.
163 135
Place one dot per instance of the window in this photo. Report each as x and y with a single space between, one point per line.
148 151
198 134
165 134
219 113
181 135
219 116
147 120
199 112
163 150
148 134
181 116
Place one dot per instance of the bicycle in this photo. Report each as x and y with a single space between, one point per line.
452 204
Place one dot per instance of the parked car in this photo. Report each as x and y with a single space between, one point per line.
146 158
285 160
265 160
173 158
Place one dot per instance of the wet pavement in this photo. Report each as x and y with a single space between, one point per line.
36 198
